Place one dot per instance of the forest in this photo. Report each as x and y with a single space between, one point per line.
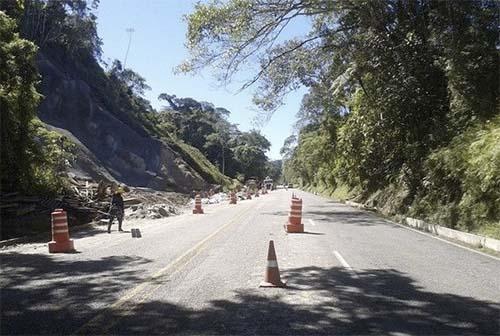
402 109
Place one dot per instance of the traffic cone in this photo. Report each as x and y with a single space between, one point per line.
294 224
272 275
197 205
60 233
233 199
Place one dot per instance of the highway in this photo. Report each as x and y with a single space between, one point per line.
349 273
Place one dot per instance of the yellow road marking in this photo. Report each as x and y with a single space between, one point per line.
174 266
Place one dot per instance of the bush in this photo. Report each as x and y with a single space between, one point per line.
461 188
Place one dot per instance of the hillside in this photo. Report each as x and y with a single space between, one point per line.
120 144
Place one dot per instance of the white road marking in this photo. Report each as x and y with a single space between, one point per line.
345 264
311 222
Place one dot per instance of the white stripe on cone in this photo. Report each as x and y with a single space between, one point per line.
272 263
60 231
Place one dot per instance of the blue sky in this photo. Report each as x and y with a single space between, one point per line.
158 46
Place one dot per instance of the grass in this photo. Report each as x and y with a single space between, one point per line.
200 163
489 230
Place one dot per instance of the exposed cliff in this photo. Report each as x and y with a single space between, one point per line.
110 143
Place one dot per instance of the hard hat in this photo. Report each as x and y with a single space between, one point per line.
119 190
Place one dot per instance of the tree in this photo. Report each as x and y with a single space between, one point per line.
18 102
273 169
249 151
70 25
389 81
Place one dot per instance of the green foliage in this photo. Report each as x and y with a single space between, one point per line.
69 25
273 170
18 102
310 163
199 162
206 128
54 155
462 181
249 151
160 125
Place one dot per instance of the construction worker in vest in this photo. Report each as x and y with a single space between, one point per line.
116 209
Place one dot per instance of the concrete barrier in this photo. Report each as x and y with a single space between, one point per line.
493 244
465 237
360 206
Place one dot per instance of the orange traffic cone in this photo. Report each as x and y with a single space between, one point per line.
60 233
294 224
197 205
233 199
272 276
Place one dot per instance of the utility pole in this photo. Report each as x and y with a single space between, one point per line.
129 31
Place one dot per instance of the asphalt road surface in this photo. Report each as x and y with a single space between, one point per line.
350 273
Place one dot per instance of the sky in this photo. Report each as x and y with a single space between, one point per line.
157 46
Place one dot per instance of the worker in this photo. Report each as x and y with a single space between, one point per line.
116 209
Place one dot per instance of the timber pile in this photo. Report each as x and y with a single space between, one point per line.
86 201
18 205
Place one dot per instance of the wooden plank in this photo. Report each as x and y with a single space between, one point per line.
11 205
9 195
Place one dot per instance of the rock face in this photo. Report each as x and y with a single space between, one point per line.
119 143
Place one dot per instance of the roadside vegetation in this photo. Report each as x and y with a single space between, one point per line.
402 108
34 159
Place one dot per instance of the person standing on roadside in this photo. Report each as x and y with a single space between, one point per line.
116 209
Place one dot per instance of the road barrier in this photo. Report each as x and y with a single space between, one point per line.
465 237
60 233
233 199
197 205
272 275
294 224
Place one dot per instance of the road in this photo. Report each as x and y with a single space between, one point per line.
350 273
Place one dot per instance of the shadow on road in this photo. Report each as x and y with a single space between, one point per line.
360 218
354 217
379 302
42 294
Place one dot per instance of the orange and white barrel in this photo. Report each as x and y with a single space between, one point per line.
60 233
294 224
197 205
233 199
